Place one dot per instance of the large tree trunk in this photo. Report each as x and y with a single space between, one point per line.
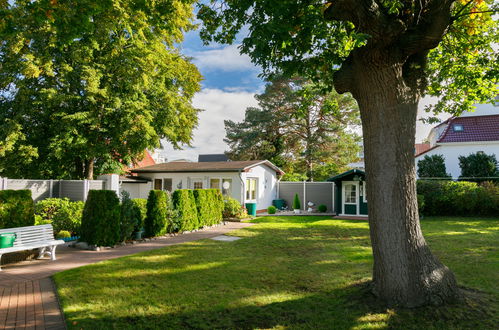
89 169
405 271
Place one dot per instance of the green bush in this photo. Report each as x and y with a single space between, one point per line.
271 209
210 205
101 218
233 209
459 198
322 208
156 222
432 167
420 203
69 217
16 209
185 204
131 216
141 204
296 202
480 166
63 234
62 213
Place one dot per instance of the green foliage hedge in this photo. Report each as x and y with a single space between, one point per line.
62 213
210 206
480 166
185 204
322 208
141 204
131 217
271 209
296 203
432 167
101 218
16 208
157 216
459 198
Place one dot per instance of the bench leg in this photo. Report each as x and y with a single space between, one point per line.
41 252
52 252
1 262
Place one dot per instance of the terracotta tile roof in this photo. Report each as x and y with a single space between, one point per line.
425 151
234 166
420 148
474 129
146 161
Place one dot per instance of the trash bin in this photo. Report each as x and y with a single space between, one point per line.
251 208
7 240
280 204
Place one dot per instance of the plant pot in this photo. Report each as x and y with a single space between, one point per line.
138 234
297 211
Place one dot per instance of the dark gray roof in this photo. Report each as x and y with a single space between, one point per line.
213 158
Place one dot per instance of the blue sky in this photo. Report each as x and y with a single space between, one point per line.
229 85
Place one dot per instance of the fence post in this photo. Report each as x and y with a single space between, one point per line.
51 188
85 189
333 186
5 183
1 183
304 195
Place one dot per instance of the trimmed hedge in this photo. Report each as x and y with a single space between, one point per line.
101 218
185 204
156 220
459 198
130 216
210 205
233 209
141 204
17 208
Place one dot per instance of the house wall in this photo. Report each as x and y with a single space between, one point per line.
267 184
452 151
266 190
184 181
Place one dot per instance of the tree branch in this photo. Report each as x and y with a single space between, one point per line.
364 14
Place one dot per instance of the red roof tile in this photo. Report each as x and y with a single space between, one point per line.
146 161
474 129
420 148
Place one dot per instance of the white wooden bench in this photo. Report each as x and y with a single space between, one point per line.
33 237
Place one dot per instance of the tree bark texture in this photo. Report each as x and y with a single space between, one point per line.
405 271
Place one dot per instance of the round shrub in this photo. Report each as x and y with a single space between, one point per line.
156 220
101 218
233 209
271 209
63 234
16 208
322 208
47 208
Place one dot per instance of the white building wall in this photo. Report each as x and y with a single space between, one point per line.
267 185
137 190
452 151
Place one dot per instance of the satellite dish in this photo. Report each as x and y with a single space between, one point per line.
226 185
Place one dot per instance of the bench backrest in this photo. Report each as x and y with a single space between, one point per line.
31 235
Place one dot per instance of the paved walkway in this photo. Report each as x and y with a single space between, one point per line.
27 294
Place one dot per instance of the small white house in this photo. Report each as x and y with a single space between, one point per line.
247 181
462 136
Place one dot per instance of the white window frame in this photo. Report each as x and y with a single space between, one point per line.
246 187
356 185
364 188
219 182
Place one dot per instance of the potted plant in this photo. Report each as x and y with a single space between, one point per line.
296 204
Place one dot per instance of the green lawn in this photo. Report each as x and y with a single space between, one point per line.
286 272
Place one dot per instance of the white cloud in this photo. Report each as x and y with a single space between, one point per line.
218 105
223 59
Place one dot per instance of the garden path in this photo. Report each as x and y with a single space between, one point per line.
27 294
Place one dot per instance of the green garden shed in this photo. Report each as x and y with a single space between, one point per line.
350 193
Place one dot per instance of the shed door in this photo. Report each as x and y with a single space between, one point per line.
350 197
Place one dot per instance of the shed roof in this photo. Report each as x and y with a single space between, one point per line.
346 174
179 167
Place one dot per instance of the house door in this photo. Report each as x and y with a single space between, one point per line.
350 196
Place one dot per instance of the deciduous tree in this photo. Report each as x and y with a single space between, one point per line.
94 83
387 54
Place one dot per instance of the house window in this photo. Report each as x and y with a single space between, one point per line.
157 184
458 128
227 187
215 183
350 194
251 185
197 184
167 185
